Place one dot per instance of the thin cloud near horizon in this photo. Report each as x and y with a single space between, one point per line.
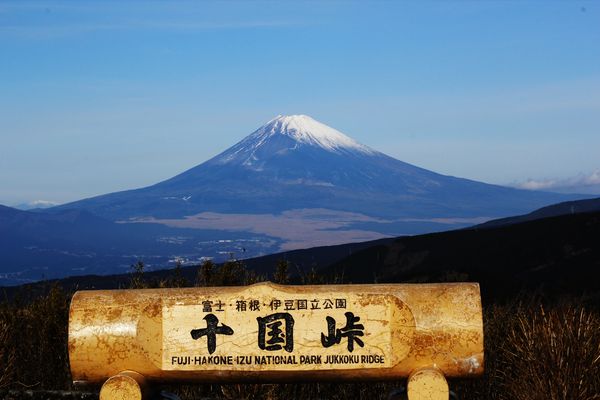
580 180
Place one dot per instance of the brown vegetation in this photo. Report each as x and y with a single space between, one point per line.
534 349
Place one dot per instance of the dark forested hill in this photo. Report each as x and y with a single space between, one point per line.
559 254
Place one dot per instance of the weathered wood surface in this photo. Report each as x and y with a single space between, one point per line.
427 384
268 332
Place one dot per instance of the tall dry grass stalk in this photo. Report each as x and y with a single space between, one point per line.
550 354
7 355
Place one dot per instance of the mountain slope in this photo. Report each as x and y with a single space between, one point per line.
295 162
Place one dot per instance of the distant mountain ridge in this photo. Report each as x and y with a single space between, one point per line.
39 245
554 210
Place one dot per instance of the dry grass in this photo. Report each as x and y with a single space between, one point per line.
551 354
7 355
36 341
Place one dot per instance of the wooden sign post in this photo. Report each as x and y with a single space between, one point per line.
273 333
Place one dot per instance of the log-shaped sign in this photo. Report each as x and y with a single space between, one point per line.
268 332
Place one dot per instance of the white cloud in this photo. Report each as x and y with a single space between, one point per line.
532 184
36 204
43 203
578 181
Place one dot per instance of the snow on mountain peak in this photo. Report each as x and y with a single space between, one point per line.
289 133
303 129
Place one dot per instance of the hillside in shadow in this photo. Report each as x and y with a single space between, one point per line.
557 255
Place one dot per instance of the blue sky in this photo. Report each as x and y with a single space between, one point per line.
97 97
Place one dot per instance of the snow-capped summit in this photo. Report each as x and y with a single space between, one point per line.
288 133
306 130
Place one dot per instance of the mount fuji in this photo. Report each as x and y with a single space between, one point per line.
306 183
293 183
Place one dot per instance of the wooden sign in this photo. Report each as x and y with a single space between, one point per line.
268 332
